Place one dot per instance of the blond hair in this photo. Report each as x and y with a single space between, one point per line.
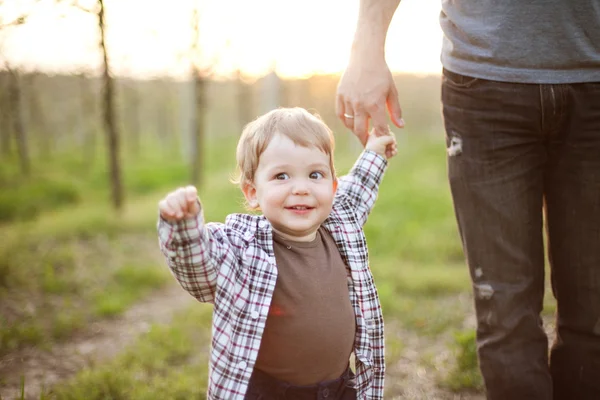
303 128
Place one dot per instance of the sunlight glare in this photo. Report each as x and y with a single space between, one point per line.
297 38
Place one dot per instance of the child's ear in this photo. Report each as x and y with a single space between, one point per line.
250 195
335 184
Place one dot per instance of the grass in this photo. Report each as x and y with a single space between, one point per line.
57 285
126 286
465 373
169 362
71 261
82 261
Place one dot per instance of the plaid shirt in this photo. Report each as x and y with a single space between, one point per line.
233 266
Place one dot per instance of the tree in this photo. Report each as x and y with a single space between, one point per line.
245 110
5 123
87 96
12 101
132 100
198 117
109 110
18 127
37 124
131 103
109 116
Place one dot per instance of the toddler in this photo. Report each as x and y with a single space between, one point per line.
291 286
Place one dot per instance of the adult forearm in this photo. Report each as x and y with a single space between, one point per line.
374 19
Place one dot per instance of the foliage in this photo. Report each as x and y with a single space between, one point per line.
465 374
25 200
169 362
74 262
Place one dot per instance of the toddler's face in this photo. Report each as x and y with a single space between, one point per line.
294 187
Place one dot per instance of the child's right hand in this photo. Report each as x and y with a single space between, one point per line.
180 204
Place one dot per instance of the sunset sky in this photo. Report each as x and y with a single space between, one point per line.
149 38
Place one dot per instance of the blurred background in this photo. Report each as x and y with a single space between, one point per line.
107 105
117 80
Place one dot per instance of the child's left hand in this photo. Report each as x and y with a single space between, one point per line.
384 145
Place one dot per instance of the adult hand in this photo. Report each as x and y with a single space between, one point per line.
180 204
364 91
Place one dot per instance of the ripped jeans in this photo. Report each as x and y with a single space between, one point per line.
516 151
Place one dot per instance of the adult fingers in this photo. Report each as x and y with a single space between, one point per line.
348 115
379 120
361 126
340 108
393 105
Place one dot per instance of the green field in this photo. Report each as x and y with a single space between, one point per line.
79 261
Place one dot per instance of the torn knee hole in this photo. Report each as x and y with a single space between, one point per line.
484 291
455 146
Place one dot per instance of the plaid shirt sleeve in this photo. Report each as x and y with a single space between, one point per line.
355 197
361 184
194 252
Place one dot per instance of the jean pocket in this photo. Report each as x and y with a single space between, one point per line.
458 81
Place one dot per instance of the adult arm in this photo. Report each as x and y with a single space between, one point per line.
367 85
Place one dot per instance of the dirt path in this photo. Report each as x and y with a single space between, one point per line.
407 377
101 341
412 376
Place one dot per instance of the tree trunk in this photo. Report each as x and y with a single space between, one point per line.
37 118
14 93
244 101
187 110
198 131
133 106
88 111
5 123
110 125
271 91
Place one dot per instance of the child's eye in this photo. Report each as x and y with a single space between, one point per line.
316 175
282 176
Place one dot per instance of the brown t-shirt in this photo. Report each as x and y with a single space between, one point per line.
309 333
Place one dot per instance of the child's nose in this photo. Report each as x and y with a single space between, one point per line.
300 187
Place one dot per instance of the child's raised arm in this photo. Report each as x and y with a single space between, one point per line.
193 250
361 185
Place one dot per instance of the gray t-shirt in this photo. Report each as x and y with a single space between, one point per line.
528 41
